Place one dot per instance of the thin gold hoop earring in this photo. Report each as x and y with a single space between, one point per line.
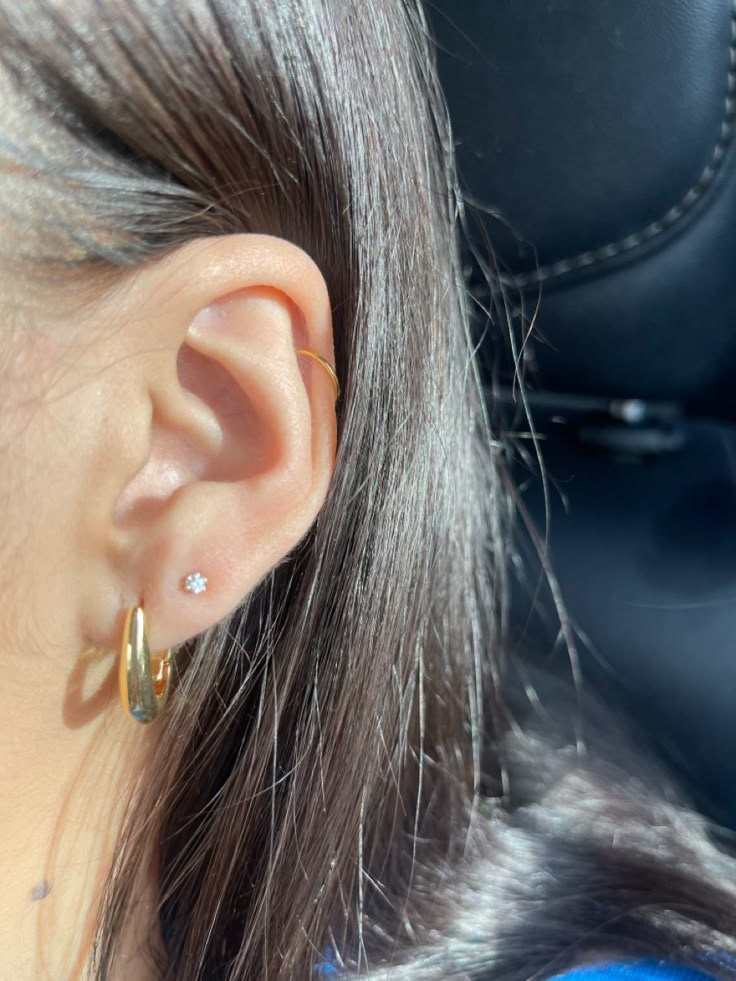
143 694
327 366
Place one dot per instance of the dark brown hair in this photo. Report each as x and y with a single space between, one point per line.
303 740
336 767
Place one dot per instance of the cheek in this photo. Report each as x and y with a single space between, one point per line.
48 408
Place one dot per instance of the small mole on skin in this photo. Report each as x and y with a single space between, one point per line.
41 890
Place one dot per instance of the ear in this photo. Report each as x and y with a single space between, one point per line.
229 440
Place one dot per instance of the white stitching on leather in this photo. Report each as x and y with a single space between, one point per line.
675 213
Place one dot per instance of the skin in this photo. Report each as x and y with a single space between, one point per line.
165 428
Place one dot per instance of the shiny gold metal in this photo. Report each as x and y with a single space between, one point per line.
142 693
327 366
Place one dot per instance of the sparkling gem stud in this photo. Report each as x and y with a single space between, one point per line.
195 582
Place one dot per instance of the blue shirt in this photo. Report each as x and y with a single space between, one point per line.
648 970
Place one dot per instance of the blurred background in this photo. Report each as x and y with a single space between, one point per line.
595 145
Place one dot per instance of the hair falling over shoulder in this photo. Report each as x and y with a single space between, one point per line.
342 766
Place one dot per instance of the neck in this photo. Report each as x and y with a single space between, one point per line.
68 761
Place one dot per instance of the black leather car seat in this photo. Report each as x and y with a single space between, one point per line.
598 139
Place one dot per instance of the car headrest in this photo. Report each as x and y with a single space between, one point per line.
597 138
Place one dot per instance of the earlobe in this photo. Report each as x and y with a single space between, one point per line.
241 441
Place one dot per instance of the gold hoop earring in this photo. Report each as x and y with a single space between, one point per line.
143 694
326 365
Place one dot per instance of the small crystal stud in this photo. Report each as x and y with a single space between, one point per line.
195 582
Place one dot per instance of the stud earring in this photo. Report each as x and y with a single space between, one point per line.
143 694
195 582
